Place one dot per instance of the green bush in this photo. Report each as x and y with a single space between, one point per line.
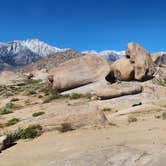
54 96
30 91
65 127
76 96
7 109
106 109
12 122
132 119
44 89
162 82
31 132
1 126
37 114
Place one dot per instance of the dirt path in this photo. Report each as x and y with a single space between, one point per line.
148 136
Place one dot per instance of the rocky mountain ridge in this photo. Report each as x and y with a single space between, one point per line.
20 53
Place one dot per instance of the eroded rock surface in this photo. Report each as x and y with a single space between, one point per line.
78 72
141 60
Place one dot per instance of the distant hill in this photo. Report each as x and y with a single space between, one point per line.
51 61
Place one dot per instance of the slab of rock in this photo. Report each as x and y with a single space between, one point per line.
106 91
141 60
108 156
118 89
80 71
121 117
122 69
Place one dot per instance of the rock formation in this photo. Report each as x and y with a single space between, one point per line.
159 58
141 60
122 69
78 72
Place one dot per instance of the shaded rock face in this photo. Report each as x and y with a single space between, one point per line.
78 72
141 61
5 142
122 69
159 58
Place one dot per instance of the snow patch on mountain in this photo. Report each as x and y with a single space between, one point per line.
110 55
40 48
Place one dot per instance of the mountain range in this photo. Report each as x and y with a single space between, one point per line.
18 53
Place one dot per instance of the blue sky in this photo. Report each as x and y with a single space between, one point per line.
86 24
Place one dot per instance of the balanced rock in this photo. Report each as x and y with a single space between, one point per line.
141 60
79 71
122 69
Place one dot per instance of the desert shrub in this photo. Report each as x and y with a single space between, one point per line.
8 90
76 96
44 89
132 119
7 109
30 91
12 122
65 127
37 114
79 95
106 109
164 115
54 96
31 87
31 131
1 125
162 82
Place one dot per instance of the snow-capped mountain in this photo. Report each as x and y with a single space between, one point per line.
110 55
20 53
40 47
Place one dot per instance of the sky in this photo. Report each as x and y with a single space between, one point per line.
86 24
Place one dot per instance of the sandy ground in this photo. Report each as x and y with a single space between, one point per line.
148 136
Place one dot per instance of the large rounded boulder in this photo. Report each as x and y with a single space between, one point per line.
79 71
141 61
122 69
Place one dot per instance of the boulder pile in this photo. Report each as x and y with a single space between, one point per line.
93 74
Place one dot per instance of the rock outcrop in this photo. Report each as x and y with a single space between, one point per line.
159 59
117 90
3 142
122 69
141 60
107 91
78 72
